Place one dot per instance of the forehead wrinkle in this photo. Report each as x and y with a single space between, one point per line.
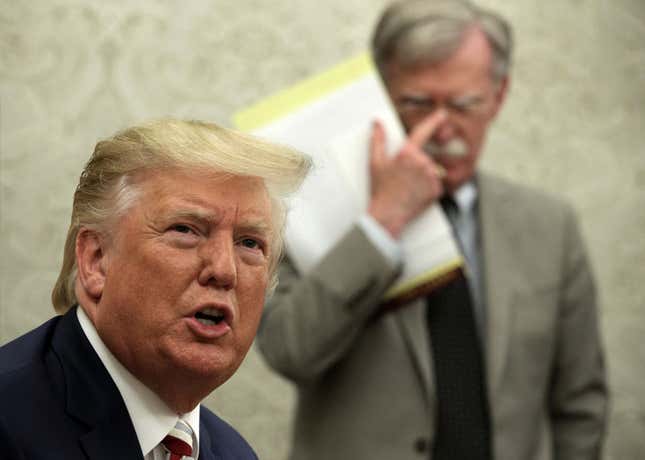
194 213
253 219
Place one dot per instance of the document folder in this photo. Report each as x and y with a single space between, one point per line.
329 116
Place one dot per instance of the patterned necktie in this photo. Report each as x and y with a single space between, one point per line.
463 425
179 442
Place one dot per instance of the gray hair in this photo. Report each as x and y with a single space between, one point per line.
106 188
429 31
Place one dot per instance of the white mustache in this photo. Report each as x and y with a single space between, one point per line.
453 148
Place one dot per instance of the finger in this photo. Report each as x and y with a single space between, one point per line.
434 170
377 143
437 173
422 132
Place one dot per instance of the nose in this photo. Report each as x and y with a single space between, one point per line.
219 268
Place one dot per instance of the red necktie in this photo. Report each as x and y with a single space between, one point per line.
179 442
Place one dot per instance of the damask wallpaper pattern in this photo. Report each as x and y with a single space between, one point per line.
72 71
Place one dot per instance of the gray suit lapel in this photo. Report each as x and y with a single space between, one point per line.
497 240
412 320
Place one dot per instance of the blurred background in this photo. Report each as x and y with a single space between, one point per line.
74 71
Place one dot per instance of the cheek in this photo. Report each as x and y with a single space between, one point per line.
471 134
476 130
251 292
167 274
146 296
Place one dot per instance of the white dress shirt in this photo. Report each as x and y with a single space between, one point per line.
379 237
151 417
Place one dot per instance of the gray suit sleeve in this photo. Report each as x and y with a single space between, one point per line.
579 396
312 320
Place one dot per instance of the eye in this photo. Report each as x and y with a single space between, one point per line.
182 235
181 228
250 243
466 104
462 107
253 249
410 103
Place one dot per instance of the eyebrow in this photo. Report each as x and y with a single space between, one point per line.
418 98
260 227
250 224
467 99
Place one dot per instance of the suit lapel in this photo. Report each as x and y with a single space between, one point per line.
413 324
92 397
111 439
206 451
497 240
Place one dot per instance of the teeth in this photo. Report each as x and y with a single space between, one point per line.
209 316
206 322
213 312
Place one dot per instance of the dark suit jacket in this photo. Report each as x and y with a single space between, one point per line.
57 401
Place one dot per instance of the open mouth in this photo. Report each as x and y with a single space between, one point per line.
210 316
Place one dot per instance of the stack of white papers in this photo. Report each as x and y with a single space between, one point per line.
330 117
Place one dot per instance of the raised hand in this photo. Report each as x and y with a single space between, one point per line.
403 185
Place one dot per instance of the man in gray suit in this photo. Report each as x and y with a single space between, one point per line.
506 363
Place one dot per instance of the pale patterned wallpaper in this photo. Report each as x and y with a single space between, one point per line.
72 71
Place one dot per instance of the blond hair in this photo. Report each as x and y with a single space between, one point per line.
429 31
106 188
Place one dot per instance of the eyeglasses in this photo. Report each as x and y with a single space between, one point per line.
467 106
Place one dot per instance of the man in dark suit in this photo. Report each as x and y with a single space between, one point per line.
172 248
506 364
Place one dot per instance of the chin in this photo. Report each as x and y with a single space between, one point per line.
200 360
451 184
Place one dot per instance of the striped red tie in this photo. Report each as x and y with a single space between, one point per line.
179 442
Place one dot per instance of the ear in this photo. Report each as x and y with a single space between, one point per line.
91 263
500 94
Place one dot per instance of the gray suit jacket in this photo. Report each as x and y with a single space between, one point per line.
365 382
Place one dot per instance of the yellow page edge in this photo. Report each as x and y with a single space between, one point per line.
295 97
423 278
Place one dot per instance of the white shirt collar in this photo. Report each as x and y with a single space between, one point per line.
151 417
465 196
